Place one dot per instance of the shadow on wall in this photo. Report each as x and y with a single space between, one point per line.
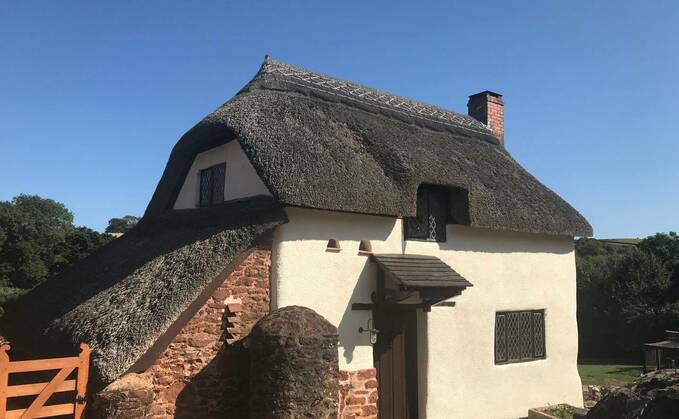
346 269
323 225
349 337
219 390
422 361
469 239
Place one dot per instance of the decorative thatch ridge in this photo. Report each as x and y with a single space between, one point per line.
367 95
122 298
318 142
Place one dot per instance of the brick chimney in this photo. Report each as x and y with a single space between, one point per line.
489 108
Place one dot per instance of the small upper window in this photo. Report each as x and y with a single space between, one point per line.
212 185
432 215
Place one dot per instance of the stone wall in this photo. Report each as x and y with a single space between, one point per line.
201 374
592 394
293 370
205 371
358 394
129 397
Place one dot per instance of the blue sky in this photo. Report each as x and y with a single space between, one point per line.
93 95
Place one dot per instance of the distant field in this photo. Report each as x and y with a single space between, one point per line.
622 242
608 374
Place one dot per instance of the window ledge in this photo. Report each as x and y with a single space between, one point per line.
425 240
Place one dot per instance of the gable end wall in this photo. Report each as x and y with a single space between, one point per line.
201 374
240 181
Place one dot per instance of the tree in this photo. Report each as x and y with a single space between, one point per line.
627 295
640 287
38 239
32 228
595 308
78 243
666 248
121 225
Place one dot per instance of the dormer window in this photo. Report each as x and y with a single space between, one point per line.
432 215
212 182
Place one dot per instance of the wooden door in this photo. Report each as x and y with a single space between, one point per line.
395 356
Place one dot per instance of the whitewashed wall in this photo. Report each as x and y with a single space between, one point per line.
458 377
241 179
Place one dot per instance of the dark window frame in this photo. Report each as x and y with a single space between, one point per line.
432 202
211 185
527 336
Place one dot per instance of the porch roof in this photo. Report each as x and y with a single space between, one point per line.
665 344
420 271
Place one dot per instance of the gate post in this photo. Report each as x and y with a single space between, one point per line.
81 383
294 371
4 374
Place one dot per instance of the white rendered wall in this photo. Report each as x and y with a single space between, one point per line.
457 374
510 271
241 179
304 273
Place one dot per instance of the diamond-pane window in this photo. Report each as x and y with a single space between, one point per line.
519 336
432 215
212 185
500 342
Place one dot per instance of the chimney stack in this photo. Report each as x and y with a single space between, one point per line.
489 108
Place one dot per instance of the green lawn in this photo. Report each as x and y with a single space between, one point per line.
608 375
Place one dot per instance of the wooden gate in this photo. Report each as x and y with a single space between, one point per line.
45 390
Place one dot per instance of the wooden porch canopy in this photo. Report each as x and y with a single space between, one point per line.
418 280
663 354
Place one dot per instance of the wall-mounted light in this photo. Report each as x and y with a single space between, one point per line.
371 329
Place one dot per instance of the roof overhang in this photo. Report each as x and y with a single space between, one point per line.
665 344
416 280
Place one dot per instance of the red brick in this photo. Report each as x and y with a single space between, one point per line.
354 400
369 410
181 369
358 394
366 374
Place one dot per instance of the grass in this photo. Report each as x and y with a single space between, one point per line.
561 412
622 242
608 374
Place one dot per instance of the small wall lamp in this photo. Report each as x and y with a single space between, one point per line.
371 329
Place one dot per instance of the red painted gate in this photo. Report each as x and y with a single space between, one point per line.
44 390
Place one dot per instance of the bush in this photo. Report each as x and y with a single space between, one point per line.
37 240
627 295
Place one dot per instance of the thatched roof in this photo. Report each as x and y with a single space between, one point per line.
319 142
122 298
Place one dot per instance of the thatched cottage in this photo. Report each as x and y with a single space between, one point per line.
447 269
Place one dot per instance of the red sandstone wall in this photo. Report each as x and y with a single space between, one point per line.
358 394
199 374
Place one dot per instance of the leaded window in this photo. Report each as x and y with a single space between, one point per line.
432 215
519 336
212 182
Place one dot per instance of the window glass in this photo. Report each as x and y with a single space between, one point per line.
212 182
431 217
519 336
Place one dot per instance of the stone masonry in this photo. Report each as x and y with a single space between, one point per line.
204 371
358 394
201 374
293 366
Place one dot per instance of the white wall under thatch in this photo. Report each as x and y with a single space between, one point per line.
457 373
